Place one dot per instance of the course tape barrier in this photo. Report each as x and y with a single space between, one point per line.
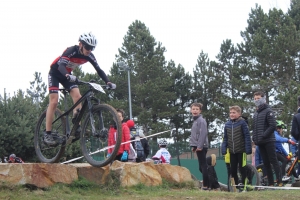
112 146
270 187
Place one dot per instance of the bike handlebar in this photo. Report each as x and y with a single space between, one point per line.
80 82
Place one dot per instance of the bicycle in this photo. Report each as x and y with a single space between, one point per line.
290 167
252 180
93 138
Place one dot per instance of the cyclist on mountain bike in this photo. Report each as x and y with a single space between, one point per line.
60 72
281 153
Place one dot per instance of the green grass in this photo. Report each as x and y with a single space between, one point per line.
82 189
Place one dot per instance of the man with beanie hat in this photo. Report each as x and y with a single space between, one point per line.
264 125
296 131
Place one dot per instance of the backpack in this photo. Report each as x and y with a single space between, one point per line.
132 153
212 175
139 150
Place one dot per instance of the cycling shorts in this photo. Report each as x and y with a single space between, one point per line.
55 78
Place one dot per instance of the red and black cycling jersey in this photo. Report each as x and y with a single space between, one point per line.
72 58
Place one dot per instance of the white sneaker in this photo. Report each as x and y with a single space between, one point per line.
297 178
285 178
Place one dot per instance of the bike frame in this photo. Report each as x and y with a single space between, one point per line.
289 172
87 99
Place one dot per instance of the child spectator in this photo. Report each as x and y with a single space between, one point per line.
162 155
237 139
199 141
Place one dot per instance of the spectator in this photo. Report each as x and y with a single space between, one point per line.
237 139
141 146
123 152
14 159
199 141
264 125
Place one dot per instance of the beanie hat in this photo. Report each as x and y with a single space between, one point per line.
130 123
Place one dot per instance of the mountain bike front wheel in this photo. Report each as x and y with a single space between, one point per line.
95 137
44 152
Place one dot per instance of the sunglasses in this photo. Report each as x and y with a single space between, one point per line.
88 47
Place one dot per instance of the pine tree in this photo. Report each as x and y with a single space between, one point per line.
150 78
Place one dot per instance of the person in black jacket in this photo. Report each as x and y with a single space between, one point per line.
296 131
264 125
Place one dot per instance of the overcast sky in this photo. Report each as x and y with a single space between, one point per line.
35 32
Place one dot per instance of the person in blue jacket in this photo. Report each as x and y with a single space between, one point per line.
281 153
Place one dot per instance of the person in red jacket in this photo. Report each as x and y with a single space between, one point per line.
123 152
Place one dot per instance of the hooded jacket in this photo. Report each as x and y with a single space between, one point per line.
264 125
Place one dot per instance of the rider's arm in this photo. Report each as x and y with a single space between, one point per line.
100 72
281 139
63 61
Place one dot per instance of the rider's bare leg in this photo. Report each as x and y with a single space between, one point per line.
53 101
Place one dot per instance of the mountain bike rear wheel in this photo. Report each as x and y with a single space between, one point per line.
94 135
44 152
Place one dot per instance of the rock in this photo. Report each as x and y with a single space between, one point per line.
41 175
174 173
130 173
98 175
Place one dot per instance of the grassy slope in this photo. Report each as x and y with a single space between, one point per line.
85 190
